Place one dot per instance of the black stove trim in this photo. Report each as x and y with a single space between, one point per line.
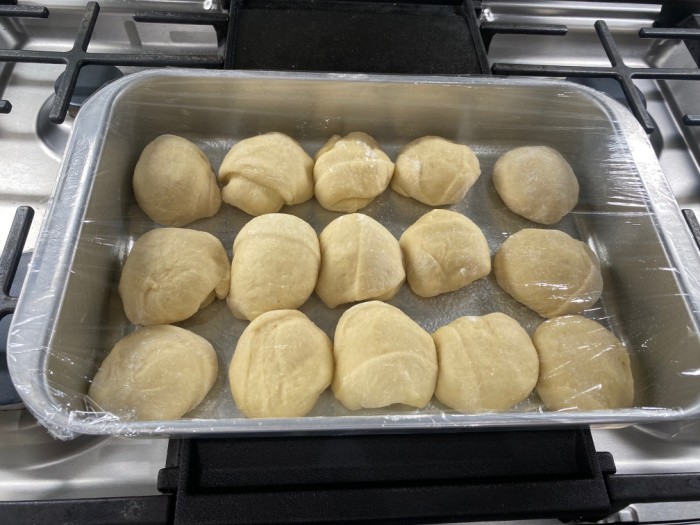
141 510
400 478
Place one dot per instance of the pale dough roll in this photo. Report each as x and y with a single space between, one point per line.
485 363
435 171
261 174
382 357
549 272
583 366
171 273
174 183
360 260
350 172
282 364
444 251
276 258
156 373
537 183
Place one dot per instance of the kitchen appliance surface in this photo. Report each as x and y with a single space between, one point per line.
33 466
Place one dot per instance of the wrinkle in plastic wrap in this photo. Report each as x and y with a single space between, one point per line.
70 314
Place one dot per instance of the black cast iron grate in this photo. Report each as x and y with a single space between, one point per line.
430 36
11 277
77 56
618 70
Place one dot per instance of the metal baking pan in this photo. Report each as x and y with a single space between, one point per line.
69 314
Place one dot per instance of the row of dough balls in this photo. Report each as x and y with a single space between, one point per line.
278 262
380 357
174 182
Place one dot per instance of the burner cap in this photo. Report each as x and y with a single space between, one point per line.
90 79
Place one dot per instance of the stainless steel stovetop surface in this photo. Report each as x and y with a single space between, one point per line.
35 466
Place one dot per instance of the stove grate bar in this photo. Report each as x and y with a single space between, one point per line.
227 42
490 29
693 224
676 33
179 17
24 11
9 260
17 11
691 120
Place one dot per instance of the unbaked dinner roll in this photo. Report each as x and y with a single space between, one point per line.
382 357
435 171
276 259
282 363
155 373
360 260
485 363
174 183
261 174
549 272
350 172
537 183
171 273
444 251
583 366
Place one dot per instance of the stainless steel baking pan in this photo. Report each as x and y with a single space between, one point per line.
70 315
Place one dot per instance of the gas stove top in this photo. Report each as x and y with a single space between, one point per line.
33 134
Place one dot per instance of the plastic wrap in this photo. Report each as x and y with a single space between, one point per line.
69 314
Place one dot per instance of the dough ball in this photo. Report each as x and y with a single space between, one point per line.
350 172
537 183
171 273
549 272
360 260
276 258
444 251
155 373
174 183
382 357
282 363
261 174
435 171
583 366
485 363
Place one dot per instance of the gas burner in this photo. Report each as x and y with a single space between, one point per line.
90 79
